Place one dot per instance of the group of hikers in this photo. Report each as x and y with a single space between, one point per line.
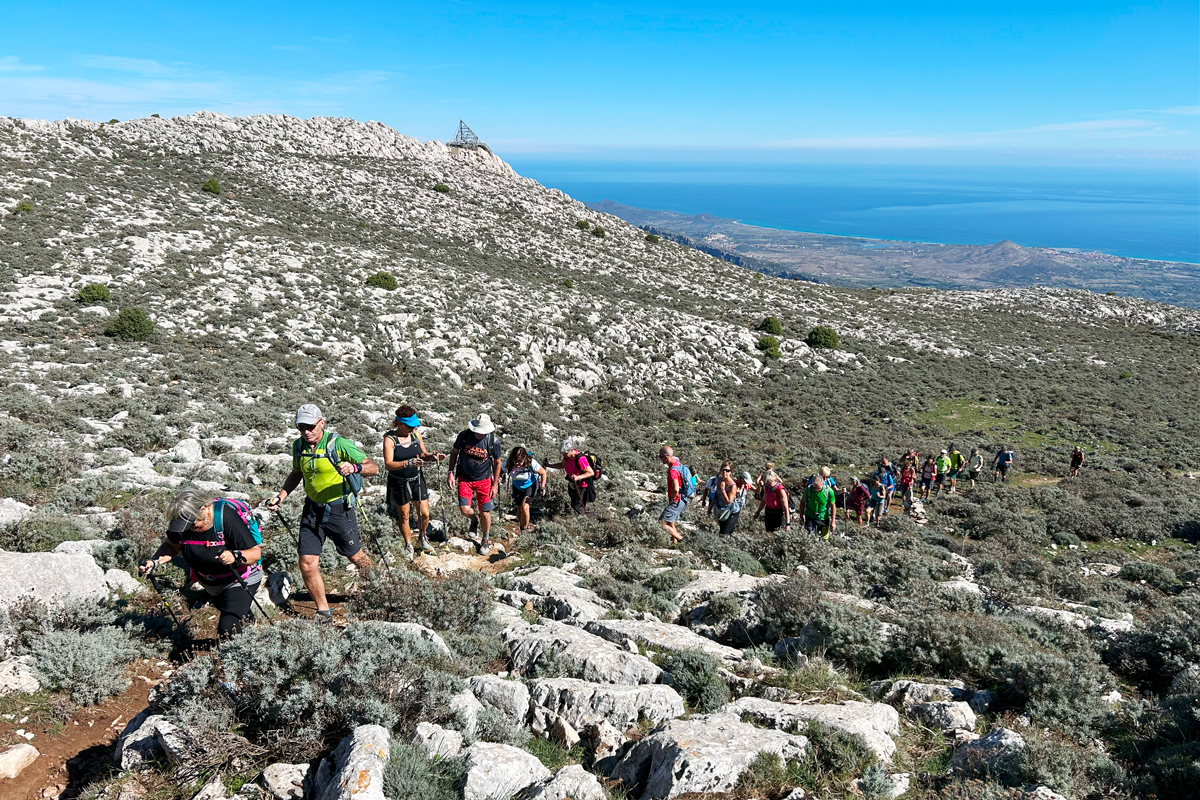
220 541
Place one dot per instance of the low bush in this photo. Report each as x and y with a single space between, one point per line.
88 664
1157 576
442 188
822 337
496 726
768 773
695 675
459 602
769 346
383 280
598 231
41 531
771 326
22 207
94 293
130 324
724 607
413 775
652 239
834 756
583 224
212 186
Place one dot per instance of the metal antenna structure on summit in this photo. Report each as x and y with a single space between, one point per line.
465 138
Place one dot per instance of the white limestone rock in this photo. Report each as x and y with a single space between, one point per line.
874 723
436 741
499 771
561 596
50 577
582 703
572 782
15 759
358 764
13 511
945 716
661 636
508 696
16 675
997 753
286 781
598 660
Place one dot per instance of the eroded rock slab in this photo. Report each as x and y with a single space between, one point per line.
661 635
499 771
582 703
597 659
358 764
559 596
874 723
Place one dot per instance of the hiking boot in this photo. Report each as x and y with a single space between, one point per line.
408 551
485 546
324 617
423 544
474 525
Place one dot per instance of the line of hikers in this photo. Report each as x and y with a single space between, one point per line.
220 541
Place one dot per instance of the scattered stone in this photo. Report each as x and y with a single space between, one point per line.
560 595
50 577
605 744
706 753
13 511
582 703
214 789
357 765
875 723
598 660
465 708
15 759
997 753
121 582
572 782
983 701
286 781
179 748
945 716
1043 793
563 733
436 741
661 635
137 745
499 771
16 675
508 696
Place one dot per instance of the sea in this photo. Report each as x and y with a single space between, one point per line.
1128 211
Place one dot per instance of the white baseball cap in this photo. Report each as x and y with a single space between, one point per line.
308 414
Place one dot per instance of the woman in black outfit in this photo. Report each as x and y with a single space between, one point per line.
404 454
215 541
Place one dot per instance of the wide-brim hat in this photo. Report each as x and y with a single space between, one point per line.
481 424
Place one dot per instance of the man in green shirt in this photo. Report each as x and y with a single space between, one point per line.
957 460
323 461
819 507
943 470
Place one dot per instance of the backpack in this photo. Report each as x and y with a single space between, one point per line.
353 480
244 511
594 462
687 483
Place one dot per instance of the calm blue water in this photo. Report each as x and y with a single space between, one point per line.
1128 211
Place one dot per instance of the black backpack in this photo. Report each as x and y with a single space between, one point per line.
596 464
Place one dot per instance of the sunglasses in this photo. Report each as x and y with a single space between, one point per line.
306 428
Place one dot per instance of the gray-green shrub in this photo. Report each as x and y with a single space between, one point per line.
89 664
94 293
383 280
695 675
769 346
131 324
212 186
822 337
413 775
771 326
459 602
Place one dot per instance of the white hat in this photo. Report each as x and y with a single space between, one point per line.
308 414
481 424
943 451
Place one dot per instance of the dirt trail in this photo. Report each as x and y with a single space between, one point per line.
82 749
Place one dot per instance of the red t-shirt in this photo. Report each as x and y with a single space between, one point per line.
774 498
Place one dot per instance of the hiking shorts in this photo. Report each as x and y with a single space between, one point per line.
1002 469
401 492
521 496
953 474
973 474
940 479
319 521
479 490
673 511
811 524
926 483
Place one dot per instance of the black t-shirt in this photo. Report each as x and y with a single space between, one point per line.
403 452
475 463
203 559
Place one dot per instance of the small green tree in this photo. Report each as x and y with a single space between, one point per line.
598 231
155 116
652 239
441 187
94 293
822 337
23 207
771 325
769 346
383 280
212 186
131 324
583 224
114 119
570 284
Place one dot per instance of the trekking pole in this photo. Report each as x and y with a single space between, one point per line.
366 518
167 603
253 599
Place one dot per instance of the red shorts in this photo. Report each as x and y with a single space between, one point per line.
481 490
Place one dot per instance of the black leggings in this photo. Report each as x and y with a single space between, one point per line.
727 526
234 605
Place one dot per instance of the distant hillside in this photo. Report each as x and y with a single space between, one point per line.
849 261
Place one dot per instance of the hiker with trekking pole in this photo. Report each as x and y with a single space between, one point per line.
404 458
331 468
221 544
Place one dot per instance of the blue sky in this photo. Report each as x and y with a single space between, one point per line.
764 80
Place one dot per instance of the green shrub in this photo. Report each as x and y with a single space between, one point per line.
569 284
130 324
212 186
724 607
383 280
113 121
695 675
41 531
652 239
155 116
22 207
459 602
496 726
772 326
834 753
1157 576
552 756
441 187
583 224
94 293
822 337
90 665
413 775
598 231
769 346
767 772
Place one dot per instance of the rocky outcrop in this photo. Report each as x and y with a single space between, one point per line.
356 767
137 744
998 753
286 781
50 577
555 593
16 675
661 636
707 753
944 716
436 741
582 703
572 782
596 659
499 771
874 723
508 696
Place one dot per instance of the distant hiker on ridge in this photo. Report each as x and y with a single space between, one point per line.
1077 459
474 472
323 461
1004 460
